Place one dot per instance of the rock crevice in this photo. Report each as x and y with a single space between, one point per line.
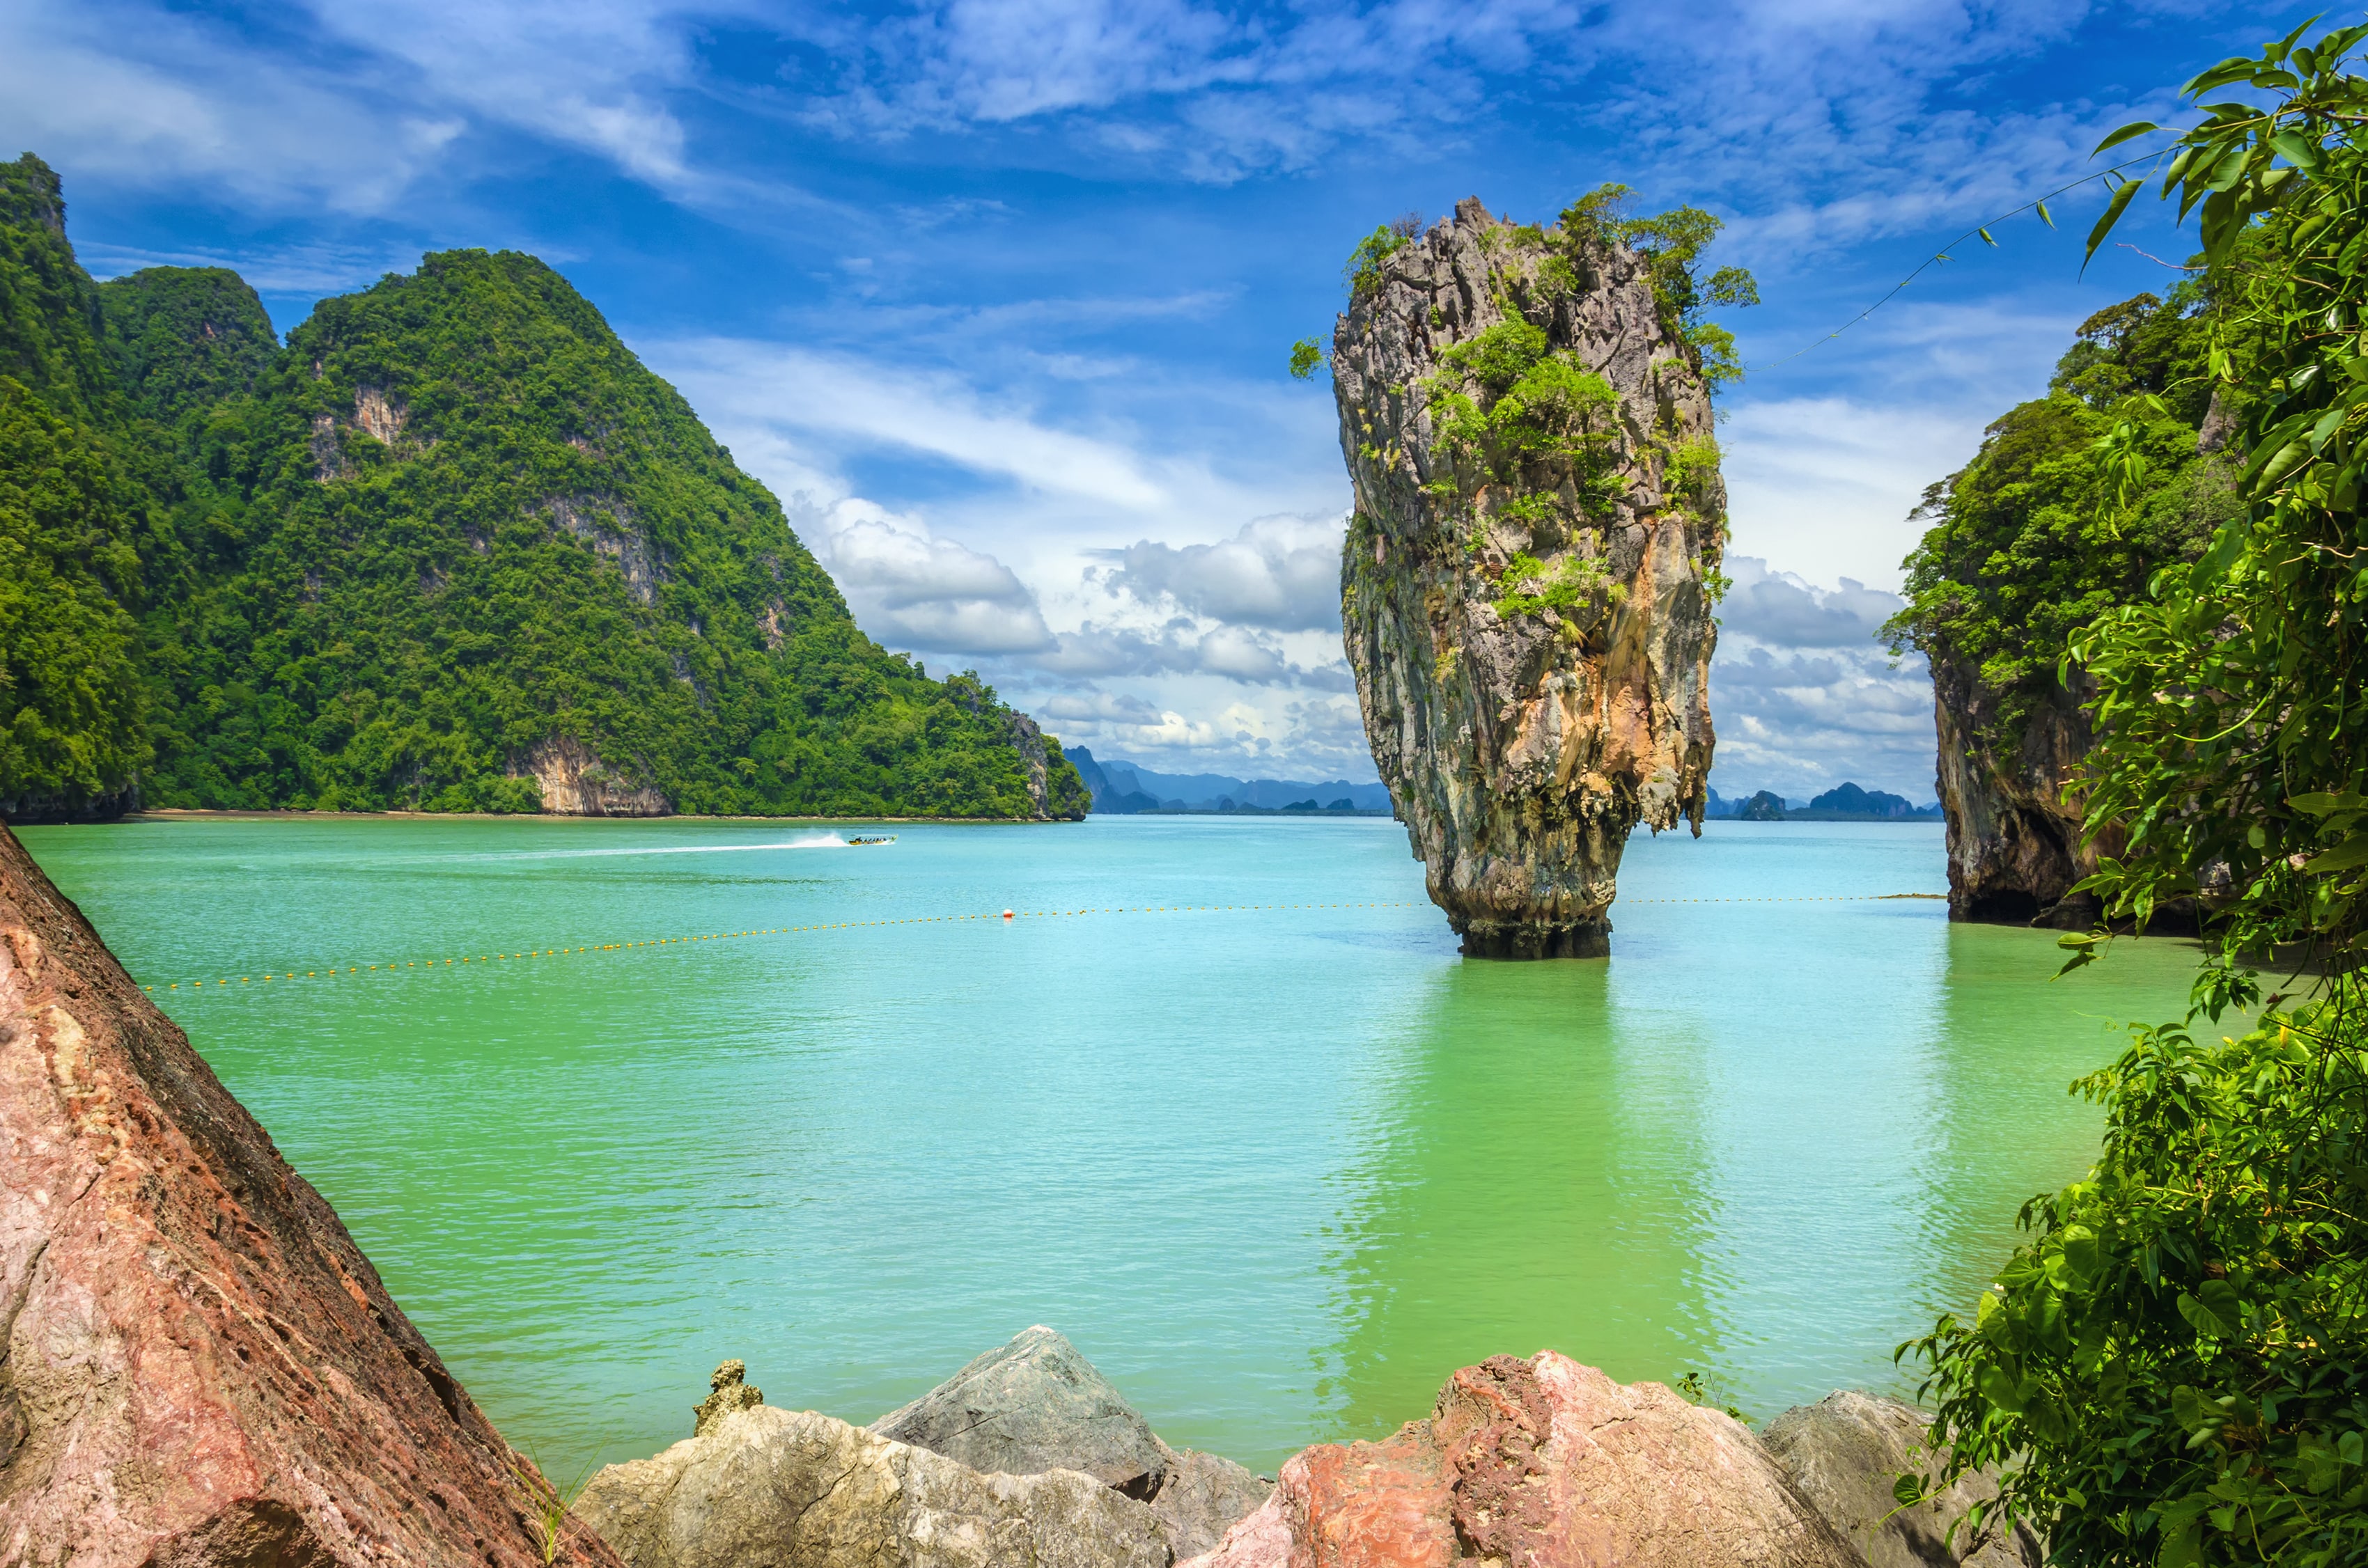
1528 580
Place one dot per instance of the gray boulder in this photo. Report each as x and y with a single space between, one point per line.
1843 1454
1032 1405
1202 1497
765 1487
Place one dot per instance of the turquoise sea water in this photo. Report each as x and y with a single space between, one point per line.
1276 1171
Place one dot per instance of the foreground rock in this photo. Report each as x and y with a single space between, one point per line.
1843 1454
772 1488
1037 1405
1542 1462
200 1367
1524 588
1031 1405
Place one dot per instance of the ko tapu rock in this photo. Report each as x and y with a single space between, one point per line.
1527 584
200 1367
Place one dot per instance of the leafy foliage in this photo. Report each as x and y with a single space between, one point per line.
2229 716
2175 1368
452 521
1506 409
1673 242
2036 536
71 518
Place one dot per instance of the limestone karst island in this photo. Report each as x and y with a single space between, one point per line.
975 785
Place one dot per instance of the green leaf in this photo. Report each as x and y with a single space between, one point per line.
2113 215
2127 132
2352 851
2044 216
1986 237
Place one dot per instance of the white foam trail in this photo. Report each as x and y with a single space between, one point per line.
810 841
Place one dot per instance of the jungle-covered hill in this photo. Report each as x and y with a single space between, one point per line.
450 548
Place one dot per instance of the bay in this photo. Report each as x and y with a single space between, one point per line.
1263 1145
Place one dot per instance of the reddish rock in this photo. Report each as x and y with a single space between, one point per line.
200 1367
1542 1463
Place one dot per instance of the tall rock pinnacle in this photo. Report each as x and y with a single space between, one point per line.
1527 584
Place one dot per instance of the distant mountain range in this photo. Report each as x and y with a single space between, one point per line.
1843 802
1121 788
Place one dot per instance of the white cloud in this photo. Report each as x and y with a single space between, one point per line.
1280 572
855 404
1803 695
910 589
140 96
1824 484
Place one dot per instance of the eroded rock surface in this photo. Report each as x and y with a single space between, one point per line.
1543 1462
772 1488
576 782
1843 1454
2014 833
1525 584
1034 1404
1203 1496
200 1366
727 1391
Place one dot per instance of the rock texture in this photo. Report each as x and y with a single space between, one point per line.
576 782
728 1390
1203 1496
1530 617
2014 832
772 1488
1843 1454
197 1365
1034 1404
1541 1462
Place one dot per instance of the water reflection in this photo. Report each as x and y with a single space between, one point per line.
1760 1146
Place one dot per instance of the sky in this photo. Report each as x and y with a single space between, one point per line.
997 296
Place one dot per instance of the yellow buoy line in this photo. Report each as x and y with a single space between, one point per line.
400 966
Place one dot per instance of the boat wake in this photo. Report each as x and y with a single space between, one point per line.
804 841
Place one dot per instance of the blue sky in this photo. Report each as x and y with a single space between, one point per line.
996 297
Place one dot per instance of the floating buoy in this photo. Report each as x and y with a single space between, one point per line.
1006 914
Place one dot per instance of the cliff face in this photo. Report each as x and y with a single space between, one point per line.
1525 587
2014 835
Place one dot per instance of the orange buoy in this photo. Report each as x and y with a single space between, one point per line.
1006 914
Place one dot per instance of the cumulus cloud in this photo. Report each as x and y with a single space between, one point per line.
1281 573
1781 609
1804 696
1233 652
912 589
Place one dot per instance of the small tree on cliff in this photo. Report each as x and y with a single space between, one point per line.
2175 1368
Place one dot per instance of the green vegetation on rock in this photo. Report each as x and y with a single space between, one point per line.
454 535
2174 1370
2038 535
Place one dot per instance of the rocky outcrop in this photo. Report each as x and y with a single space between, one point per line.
1843 1455
1036 1404
30 807
772 1488
196 1364
2013 826
728 1390
1540 1462
1058 793
1526 583
576 782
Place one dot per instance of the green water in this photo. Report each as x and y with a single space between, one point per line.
1276 1172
